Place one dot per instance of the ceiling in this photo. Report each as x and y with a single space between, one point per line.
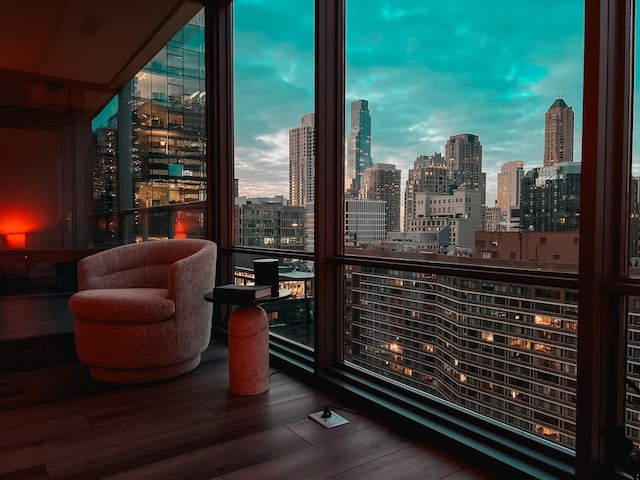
50 47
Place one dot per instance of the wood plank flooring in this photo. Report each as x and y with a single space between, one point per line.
24 316
57 423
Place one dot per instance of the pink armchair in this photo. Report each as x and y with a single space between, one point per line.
140 313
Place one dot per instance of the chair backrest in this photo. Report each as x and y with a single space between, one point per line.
135 265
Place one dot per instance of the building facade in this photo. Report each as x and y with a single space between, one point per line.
358 147
502 349
365 222
550 198
429 174
269 223
463 154
302 161
558 133
159 124
545 248
382 182
493 221
508 197
459 212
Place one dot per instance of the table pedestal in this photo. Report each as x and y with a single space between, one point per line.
248 351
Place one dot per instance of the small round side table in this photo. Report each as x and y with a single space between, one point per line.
249 344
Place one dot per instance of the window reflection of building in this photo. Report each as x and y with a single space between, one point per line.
158 134
173 166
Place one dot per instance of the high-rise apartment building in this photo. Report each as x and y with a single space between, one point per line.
359 146
550 198
382 182
429 174
463 154
301 162
558 133
508 197
474 342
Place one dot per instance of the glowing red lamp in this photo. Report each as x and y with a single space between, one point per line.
16 240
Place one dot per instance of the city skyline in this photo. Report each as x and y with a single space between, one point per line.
480 75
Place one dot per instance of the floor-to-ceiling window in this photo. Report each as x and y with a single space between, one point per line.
448 313
463 149
274 158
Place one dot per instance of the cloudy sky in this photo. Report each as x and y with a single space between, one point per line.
429 68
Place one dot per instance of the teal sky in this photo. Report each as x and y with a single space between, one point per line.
430 70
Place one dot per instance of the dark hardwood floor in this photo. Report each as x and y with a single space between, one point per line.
57 423
27 316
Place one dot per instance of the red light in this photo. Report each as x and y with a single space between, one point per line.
181 226
16 240
19 219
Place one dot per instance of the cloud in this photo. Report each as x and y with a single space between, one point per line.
430 70
263 169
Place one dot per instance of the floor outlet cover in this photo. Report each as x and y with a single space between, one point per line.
334 420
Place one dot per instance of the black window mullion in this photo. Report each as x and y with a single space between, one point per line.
606 133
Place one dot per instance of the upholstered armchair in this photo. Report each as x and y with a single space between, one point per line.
140 313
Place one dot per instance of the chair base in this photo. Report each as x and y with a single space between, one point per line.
142 375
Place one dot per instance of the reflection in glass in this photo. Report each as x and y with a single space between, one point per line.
149 149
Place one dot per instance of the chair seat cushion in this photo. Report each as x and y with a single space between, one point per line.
122 305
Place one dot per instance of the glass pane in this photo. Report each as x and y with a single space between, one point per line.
149 150
31 204
36 223
632 405
291 318
633 370
463 130
634 213
506 350
37 271
274 122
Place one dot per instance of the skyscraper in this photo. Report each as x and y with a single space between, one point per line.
429 174
160 130
558 133
301 162
359 146
508 198
550 199
463 154
382 182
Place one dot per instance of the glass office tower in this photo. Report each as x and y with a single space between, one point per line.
156 130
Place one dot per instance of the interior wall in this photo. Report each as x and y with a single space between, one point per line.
31 200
